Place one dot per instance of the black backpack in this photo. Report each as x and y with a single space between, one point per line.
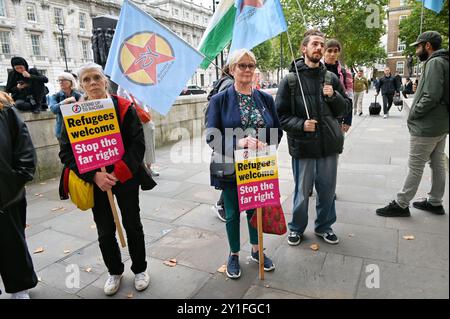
217 86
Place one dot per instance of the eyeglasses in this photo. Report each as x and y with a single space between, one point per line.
243 66
61 81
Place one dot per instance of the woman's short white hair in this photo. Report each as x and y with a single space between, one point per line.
90 67
236 56
68 76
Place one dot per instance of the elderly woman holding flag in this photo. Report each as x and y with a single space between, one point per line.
123 178
240 117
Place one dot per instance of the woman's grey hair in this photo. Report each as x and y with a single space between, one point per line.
236 56
68 76
92 67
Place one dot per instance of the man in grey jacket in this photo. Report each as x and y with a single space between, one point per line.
428 126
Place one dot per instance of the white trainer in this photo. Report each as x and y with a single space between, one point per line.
112 284
20 295
141 281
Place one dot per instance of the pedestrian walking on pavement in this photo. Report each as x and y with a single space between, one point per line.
428 127
122 179
309 114
360 85
17 166
240 117
389 87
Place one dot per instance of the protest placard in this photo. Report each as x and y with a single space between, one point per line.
257 178
94 133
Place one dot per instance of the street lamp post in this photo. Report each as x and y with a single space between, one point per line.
61 28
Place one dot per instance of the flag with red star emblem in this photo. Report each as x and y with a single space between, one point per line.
149 60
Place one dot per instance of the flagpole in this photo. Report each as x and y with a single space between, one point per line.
421 17
298 76
301 12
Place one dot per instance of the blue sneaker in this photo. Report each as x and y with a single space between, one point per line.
233 268
268 263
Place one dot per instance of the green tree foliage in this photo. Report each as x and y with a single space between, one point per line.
410 26
350 22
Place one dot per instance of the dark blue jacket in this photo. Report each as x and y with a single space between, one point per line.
223 112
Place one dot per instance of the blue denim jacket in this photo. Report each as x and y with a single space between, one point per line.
55 103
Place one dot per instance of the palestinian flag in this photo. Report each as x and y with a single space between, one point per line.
219 31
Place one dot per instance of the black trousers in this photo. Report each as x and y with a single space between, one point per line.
127 196
388 99
16 266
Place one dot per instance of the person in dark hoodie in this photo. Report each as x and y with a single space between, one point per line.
17 166
26 86
428 127
309 102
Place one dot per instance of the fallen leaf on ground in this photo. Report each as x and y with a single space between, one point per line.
66 251
130 295
314 247
171 262
222 269
409 237
39 250
88 269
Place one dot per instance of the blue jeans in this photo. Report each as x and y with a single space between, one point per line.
321 172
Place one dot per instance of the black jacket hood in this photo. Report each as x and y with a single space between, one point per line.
17 60
301 66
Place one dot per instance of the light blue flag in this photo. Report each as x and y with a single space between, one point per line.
435 5
256 21
149 60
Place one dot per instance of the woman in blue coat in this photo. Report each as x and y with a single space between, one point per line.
240 117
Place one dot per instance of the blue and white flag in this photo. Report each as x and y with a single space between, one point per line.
435 5
149 60
256 21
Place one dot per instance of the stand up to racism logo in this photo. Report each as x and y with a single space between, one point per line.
141 54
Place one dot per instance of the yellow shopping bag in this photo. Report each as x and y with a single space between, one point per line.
81 192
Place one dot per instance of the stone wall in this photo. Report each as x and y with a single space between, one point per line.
186 115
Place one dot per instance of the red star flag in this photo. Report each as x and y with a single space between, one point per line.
149 60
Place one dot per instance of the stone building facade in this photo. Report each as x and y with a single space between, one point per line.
397 10
30 29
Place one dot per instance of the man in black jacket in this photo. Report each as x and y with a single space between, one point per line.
17 166
389 86
308 112
26 86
